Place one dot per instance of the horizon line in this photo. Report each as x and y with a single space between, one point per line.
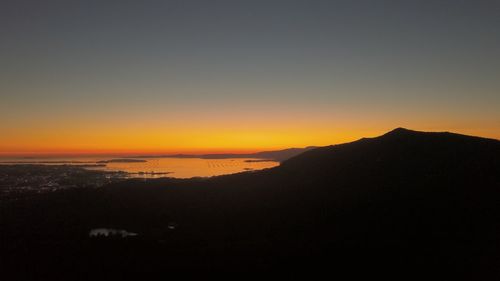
138 153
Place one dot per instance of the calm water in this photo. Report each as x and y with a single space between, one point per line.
175 167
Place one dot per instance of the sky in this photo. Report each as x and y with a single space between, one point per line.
185 76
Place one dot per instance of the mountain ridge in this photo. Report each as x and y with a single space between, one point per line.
402 136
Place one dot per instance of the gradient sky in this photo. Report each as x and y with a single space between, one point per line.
218 76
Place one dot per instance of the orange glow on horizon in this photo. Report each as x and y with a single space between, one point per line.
151 142
230 131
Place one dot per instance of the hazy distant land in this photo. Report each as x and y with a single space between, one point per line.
123 160
276 155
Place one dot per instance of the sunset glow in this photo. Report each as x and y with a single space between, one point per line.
175 80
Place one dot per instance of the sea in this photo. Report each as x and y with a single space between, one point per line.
154 167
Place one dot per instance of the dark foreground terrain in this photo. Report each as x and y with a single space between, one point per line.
405 205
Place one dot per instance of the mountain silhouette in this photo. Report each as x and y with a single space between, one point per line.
406 204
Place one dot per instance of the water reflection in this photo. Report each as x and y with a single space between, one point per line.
188 167
156 167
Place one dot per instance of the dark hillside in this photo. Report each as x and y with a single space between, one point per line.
403 205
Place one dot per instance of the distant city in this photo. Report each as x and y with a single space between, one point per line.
21 181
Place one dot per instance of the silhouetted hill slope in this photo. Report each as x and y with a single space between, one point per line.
405 204
401 152
281 155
